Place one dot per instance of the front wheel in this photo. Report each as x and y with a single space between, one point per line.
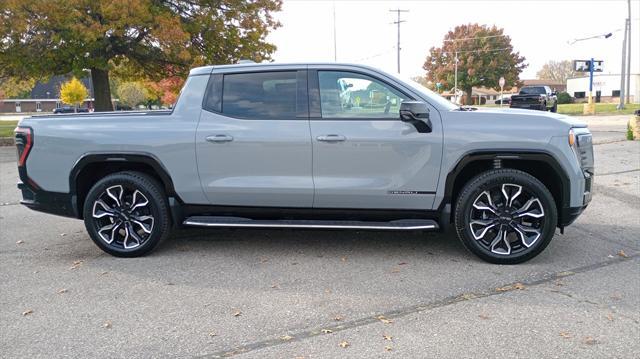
505 216
126 214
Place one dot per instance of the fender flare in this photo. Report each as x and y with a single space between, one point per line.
127 157
506 154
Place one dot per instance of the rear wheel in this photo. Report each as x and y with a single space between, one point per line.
505 216
126 214
555 107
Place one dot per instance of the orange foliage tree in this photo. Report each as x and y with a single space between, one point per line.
44 38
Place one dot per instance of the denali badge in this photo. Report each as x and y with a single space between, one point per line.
410 192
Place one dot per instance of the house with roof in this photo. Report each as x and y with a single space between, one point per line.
44 97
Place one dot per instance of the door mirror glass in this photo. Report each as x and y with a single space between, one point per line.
417 114
414 110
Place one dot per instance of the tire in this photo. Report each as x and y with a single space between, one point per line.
126 214
555 107
505 216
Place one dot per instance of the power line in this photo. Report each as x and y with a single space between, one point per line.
398 22
477 50
375 55
473 38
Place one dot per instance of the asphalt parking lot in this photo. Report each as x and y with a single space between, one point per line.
327 294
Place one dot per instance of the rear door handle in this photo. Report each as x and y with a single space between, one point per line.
331 138
219 138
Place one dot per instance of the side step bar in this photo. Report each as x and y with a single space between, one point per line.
238 222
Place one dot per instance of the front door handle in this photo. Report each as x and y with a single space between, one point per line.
331 138
219 138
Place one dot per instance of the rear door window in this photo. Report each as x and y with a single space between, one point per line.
262 95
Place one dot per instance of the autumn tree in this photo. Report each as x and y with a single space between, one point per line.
167 89
132 94
558 71
484 55
16 87
73 92
44 38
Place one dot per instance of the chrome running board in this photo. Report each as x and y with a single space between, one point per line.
238 222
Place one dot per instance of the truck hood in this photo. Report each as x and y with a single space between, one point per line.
532 115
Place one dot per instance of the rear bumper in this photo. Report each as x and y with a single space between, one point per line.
526 106
61 204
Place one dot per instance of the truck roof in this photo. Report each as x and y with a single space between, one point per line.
203 70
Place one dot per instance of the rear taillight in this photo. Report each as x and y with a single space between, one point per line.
24 143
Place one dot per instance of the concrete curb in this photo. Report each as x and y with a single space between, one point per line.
7 141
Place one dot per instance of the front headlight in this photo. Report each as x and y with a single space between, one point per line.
580 141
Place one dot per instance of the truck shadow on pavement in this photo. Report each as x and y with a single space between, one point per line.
314 242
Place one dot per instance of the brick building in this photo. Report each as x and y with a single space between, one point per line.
44 97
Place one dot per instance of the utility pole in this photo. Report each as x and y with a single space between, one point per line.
629 50
335 38
398 22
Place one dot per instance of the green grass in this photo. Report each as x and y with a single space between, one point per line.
576 109
601 109
6 128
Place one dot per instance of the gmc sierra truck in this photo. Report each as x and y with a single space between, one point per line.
535 98
331 146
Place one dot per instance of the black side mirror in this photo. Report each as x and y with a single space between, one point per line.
417 114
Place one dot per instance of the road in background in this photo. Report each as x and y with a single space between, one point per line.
302 293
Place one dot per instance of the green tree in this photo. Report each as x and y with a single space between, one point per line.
73 92
153 38
558 71
484 55
132 93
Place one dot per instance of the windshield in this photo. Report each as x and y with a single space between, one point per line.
432 96
538 90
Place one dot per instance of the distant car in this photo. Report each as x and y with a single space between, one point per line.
536 98
505 100
69 109
120 107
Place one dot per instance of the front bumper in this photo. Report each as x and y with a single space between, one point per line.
569 214
61 204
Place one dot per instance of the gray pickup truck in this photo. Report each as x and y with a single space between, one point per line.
331 146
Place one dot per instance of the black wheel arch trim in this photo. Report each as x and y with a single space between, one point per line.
127 157
506 154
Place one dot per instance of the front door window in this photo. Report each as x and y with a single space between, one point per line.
353 95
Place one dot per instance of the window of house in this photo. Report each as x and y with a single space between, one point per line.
615 93
353 95
260 95
580 94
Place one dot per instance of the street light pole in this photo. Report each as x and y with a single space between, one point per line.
501 82
455 76
623 68
628 50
